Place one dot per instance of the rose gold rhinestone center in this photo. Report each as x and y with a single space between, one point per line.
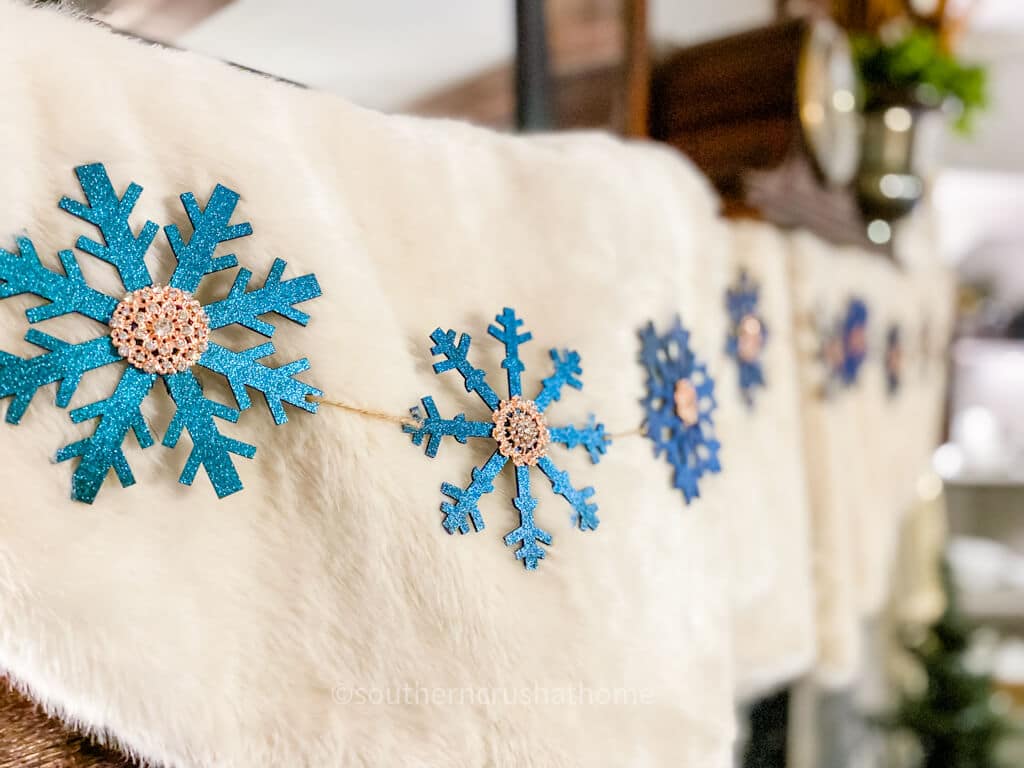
521 431
894 358
858 340
686 403
160 329
750 339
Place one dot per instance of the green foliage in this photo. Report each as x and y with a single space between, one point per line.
952 718
917 66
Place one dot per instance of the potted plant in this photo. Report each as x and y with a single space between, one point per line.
910 80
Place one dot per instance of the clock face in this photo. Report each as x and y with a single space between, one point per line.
924 7
826 95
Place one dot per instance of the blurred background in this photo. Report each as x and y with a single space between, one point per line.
839 116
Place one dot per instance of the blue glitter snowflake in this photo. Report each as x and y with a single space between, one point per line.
164 328
747 334
679 406
521 434
845 348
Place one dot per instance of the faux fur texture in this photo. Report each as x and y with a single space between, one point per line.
834 473
903 427
773 598
918 594
865 449
200 632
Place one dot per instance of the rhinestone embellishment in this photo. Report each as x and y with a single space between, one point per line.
686 403
857 341
749 339
160 329
521 431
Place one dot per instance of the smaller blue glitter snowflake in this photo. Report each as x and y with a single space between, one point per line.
679 407
748 334
893 360
521 434
845 348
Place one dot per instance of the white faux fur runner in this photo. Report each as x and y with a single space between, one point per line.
866 443
773 596
322 617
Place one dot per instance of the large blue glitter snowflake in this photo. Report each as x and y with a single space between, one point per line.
163 326
520 431
747 334
679 406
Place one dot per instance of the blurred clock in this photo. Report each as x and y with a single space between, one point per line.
826 95
771 117
925 7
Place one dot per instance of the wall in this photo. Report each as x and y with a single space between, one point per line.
387 53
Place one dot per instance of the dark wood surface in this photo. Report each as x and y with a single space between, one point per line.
637 70
725 152
31 739
731 106
744 76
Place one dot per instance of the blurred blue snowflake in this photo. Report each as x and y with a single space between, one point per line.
679 407
748 334
160 331
845 347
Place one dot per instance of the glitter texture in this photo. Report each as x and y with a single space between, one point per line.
748 335
519 429
679 407
160 331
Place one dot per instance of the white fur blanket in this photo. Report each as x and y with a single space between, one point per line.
283 625
773 594
866 446
824 283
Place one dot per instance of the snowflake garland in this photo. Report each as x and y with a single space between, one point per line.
521 434
748 334
160 331
679 407
845 348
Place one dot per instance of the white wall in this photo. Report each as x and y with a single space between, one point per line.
380 54
385 53
998 143
980 197
685 21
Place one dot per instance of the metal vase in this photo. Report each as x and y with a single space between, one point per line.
899 151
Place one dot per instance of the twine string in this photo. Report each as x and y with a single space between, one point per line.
369 413
412 421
